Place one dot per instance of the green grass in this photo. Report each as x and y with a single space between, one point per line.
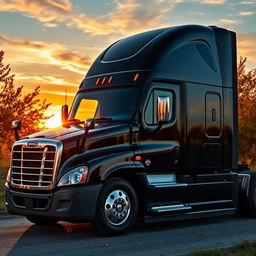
244 248
3 173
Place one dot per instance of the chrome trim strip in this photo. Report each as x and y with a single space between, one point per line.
41 143
33 168
214 210
17 151
32 160
32 181
210 183
42 167
32 174
170 208
170 185
211 202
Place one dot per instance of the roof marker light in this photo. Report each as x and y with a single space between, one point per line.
97 81
110 79
136 77
103 80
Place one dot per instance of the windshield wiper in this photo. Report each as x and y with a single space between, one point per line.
103 120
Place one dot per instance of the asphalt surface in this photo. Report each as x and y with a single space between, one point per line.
19 237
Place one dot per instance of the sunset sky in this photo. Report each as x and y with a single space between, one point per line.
52 43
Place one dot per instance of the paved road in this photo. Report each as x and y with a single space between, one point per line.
19 237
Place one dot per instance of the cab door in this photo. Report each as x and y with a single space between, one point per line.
160 143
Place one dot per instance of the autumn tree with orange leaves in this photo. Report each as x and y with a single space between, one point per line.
246 113
14 105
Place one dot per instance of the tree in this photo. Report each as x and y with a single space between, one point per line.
15 105
246 113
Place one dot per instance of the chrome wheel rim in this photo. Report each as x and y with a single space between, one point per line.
117 207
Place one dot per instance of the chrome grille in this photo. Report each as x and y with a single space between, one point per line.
34 167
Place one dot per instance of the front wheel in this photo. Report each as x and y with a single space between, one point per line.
116 208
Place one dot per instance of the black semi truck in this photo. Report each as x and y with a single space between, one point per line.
152 132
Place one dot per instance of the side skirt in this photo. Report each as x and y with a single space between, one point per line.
189 215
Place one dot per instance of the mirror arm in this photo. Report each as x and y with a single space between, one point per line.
17 137
86 131
88 124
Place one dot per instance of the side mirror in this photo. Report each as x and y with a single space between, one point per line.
64 114
163 109
89 123
16 125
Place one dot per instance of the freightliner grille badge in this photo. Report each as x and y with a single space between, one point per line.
32 144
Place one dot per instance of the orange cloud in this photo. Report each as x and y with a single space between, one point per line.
43 10
47 53
247 47
132 16
248 13
213 1
229 21
50 25
21 42
128 16
248 2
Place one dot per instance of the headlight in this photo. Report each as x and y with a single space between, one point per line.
76 176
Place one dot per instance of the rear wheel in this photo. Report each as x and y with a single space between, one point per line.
41 220
116 208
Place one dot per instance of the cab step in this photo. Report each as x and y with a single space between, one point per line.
164 181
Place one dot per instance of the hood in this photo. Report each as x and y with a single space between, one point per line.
57 133
103 135
64 133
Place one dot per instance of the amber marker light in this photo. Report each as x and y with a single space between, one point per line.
136 77
103 80
137 158
110 79
97 81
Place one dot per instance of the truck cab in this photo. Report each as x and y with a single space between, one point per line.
152 132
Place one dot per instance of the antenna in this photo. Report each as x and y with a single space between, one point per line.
66 97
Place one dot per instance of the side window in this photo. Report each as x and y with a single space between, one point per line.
150 113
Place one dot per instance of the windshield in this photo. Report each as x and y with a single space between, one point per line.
106 104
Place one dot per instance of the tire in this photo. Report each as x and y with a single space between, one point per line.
41 220
247 204
116 208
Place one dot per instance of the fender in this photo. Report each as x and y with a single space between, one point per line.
104 162
101 168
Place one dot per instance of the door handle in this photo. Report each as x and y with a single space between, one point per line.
176 155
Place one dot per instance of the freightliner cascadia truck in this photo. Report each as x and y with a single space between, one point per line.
152 132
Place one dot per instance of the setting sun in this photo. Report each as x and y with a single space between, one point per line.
55 120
